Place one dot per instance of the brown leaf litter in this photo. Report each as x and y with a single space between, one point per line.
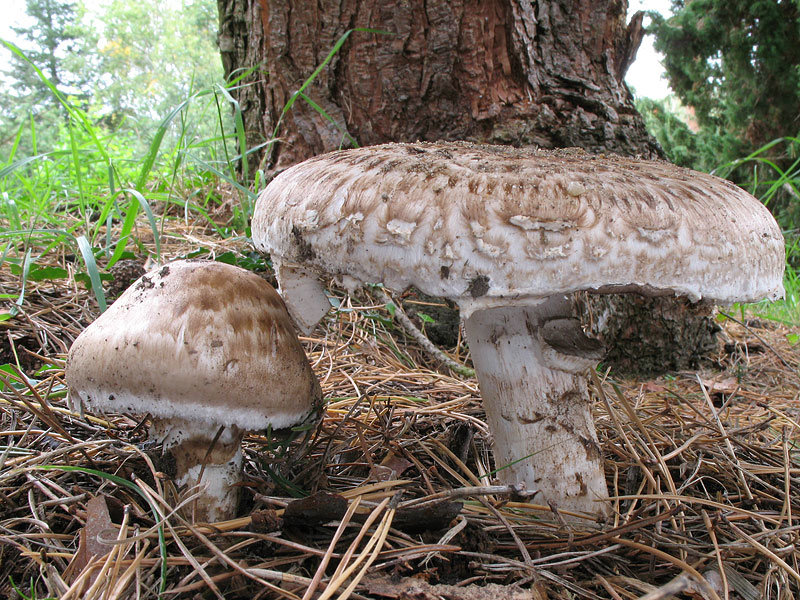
701 467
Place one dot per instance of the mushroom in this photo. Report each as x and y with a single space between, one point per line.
509 235
200 346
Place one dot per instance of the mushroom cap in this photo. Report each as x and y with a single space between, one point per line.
491 225
199 340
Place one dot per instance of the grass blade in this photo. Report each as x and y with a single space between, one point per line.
155 145
17 140
125 233
145 205
73 110
11 211
76 164
225 177
26 269
240 135
93 271
58 234
10 168
336 47
324 113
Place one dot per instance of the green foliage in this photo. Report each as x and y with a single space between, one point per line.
67 198
32 596
153 55
778 187
682 146
772 173
58 42
735 62
125 67
53 41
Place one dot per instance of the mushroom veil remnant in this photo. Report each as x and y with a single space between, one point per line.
509 235
199 345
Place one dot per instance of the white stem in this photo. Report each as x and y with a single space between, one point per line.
303 293
537 404
189 445
219 494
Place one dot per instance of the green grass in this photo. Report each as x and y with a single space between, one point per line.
779 189
85 196
65 200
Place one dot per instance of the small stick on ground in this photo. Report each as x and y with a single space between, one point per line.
422 340
682 583
760 338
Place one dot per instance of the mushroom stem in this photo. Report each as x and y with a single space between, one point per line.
304 295
193 460
531 363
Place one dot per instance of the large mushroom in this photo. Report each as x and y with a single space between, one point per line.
509 235
201 346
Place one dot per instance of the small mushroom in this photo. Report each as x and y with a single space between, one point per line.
201 346
510 234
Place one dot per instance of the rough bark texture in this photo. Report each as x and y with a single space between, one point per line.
548 73
502 71
647 336
242 45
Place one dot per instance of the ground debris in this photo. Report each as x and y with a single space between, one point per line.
701 467
416 589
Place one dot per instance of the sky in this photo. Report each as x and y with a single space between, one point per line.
645 75
15 11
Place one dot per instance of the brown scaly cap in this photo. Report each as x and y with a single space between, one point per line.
203 341
485 225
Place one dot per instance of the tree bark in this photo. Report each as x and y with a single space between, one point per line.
649 336
498 71
242 44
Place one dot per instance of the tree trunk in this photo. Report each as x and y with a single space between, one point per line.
649 336
499 71
546 73
242 44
